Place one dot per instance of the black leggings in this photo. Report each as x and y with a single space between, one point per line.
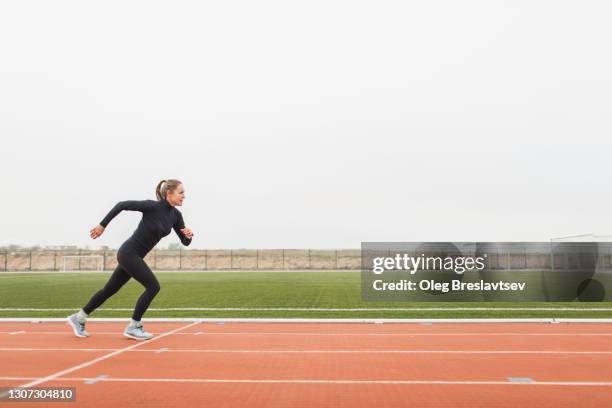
131 265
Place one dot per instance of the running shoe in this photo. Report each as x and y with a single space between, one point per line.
137 333
77 327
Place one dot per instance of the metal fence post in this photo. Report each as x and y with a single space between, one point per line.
309 260
336 259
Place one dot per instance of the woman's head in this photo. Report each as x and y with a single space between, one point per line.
172 191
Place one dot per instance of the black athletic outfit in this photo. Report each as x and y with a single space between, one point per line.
158 218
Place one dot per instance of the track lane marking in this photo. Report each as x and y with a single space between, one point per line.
98 359
328 381
332 334
246 351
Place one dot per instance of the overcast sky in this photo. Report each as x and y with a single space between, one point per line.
314 124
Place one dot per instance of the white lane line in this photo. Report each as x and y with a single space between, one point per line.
16 332
98 359
275 320
328 381
14 349
397 334
246 351
335 334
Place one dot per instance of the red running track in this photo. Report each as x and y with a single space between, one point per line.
315 364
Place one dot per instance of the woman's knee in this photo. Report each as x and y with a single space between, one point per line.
153 287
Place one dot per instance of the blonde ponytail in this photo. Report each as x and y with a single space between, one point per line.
165 186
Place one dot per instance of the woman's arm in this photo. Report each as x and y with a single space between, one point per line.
183 233
130 205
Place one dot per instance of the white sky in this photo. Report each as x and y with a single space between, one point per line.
314 124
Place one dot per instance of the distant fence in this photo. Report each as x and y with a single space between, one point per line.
189 260
258 259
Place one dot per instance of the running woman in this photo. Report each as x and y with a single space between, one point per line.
158 218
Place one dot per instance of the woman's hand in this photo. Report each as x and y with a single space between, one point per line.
187 232
96 231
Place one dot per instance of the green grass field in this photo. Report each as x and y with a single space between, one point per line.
247 290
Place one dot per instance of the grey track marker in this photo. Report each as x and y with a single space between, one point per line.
521 380
95 380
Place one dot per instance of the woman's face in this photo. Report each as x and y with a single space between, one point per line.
176 197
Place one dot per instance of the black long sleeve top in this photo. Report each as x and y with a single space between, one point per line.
158 218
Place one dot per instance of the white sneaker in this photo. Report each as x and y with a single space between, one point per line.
137 333
77 327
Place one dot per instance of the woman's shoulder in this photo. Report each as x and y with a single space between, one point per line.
148 205
136 204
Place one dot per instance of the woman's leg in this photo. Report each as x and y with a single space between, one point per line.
139 270
116 281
